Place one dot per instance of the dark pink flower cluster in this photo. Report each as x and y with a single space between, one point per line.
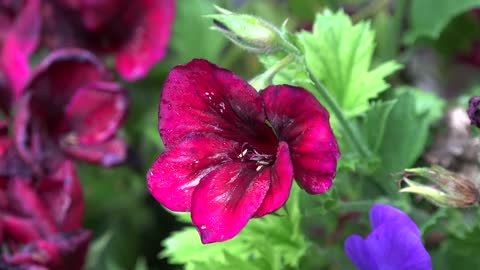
66 107
231 153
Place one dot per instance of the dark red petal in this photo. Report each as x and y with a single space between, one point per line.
202 97
57 78
19 43
95 112
24 201
62 194
226 199
149 41
18 229
108 153
281 178
306 130
175 174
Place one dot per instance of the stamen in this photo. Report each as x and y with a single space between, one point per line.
259 168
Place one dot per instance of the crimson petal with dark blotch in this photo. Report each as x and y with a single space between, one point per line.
306 130
227 198
95 112
200 97
58 77
177 172
281 178
149 41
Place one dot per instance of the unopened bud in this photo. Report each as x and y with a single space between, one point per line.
447 189
247 31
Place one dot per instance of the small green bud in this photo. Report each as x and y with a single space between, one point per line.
448 189
247 31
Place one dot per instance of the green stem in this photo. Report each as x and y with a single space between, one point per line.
355 141
263 80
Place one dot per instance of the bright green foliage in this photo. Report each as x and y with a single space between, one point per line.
192 37
270 242
293 73
441 12
339 54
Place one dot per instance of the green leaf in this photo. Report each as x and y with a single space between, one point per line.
270 242
191 36
293 73
442 12
375 123
339 54
97 250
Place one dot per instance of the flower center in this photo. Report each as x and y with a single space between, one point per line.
249 153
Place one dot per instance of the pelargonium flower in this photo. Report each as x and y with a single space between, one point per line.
231 152
394 243
40 221
70 108
135 32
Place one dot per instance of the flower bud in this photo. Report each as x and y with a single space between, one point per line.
448 189
474 111
247 31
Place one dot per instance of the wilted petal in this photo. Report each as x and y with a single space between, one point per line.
149 41
204 98
307 132
395 246
226 199
95 112
359 254
106 153
19 43
177 172
382 213
62 193
281 178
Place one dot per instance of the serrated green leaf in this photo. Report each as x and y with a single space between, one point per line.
339 54
422 25
271 242
375 122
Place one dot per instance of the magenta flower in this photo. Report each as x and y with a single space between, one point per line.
41 226
135 32
70 108
394 243
223 161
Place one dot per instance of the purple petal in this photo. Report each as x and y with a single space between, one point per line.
150 40
359 254
382 213
176 173
204 98
20 230
281 178
95 112
226 199
108 153
307 132
395 246
19 43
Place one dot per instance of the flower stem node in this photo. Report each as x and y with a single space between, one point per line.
448 189
247 31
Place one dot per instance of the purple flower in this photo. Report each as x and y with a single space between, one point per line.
40 221
135 32
231 152
70 108
394 243
474 111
